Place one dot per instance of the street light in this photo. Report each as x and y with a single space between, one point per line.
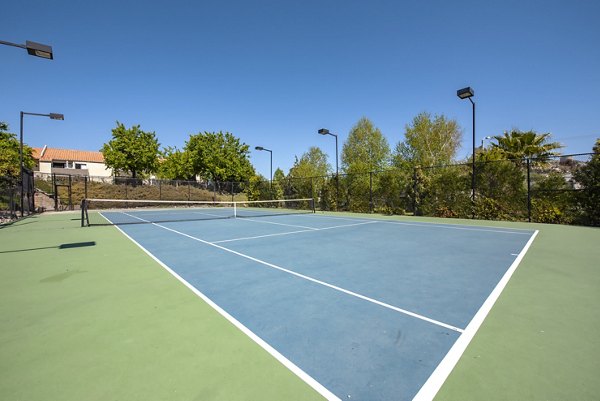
487 137
468 93
271 152
33 48
325 131
53 116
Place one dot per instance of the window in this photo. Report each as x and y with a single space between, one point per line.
80 166
58 164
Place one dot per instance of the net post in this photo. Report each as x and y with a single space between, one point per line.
85 221
235 210
312 201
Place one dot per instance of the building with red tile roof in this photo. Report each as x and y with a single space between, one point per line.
68 161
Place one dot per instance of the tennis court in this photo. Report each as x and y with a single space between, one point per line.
361 309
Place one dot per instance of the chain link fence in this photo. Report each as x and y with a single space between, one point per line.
517 190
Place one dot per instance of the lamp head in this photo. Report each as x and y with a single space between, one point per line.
39 50
324 131
56 116
465 93
259 148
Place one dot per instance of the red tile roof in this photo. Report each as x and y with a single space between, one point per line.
50 154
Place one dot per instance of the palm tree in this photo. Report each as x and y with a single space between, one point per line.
526 145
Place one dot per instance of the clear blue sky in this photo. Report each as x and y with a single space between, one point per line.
274 72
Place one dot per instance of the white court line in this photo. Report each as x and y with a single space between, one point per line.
314 280
253 336
292 232
502 231
522 231
278 224
441 373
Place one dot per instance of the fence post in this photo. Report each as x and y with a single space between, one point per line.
159 189
370 192
232 197
32 192
55 192
70 194
414 200
528 191
85 186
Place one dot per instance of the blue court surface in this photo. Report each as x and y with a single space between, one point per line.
361 309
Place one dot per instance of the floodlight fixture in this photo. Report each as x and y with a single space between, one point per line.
324 131
33 48
465 93
56 116
271 152
39 50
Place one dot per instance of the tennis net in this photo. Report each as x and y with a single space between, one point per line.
121 211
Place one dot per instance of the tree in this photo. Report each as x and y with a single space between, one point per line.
310 165
9 156
278 184
520 145
131 150
589 178
176 165
366 149
219 157
428 142
501 187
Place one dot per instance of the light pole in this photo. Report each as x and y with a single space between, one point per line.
468 93
271 152
325 131
487 137
53 116
33 48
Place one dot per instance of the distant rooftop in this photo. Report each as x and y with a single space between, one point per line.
47 154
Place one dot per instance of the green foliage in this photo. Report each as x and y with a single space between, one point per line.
366 149
500 181
300 178
491 209
520 145
390 189
219 156
257 188
9 157
447 192
277 184
544 211
311 164
131 150
176 165
428 142
588 177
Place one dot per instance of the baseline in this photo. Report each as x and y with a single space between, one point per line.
522 231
